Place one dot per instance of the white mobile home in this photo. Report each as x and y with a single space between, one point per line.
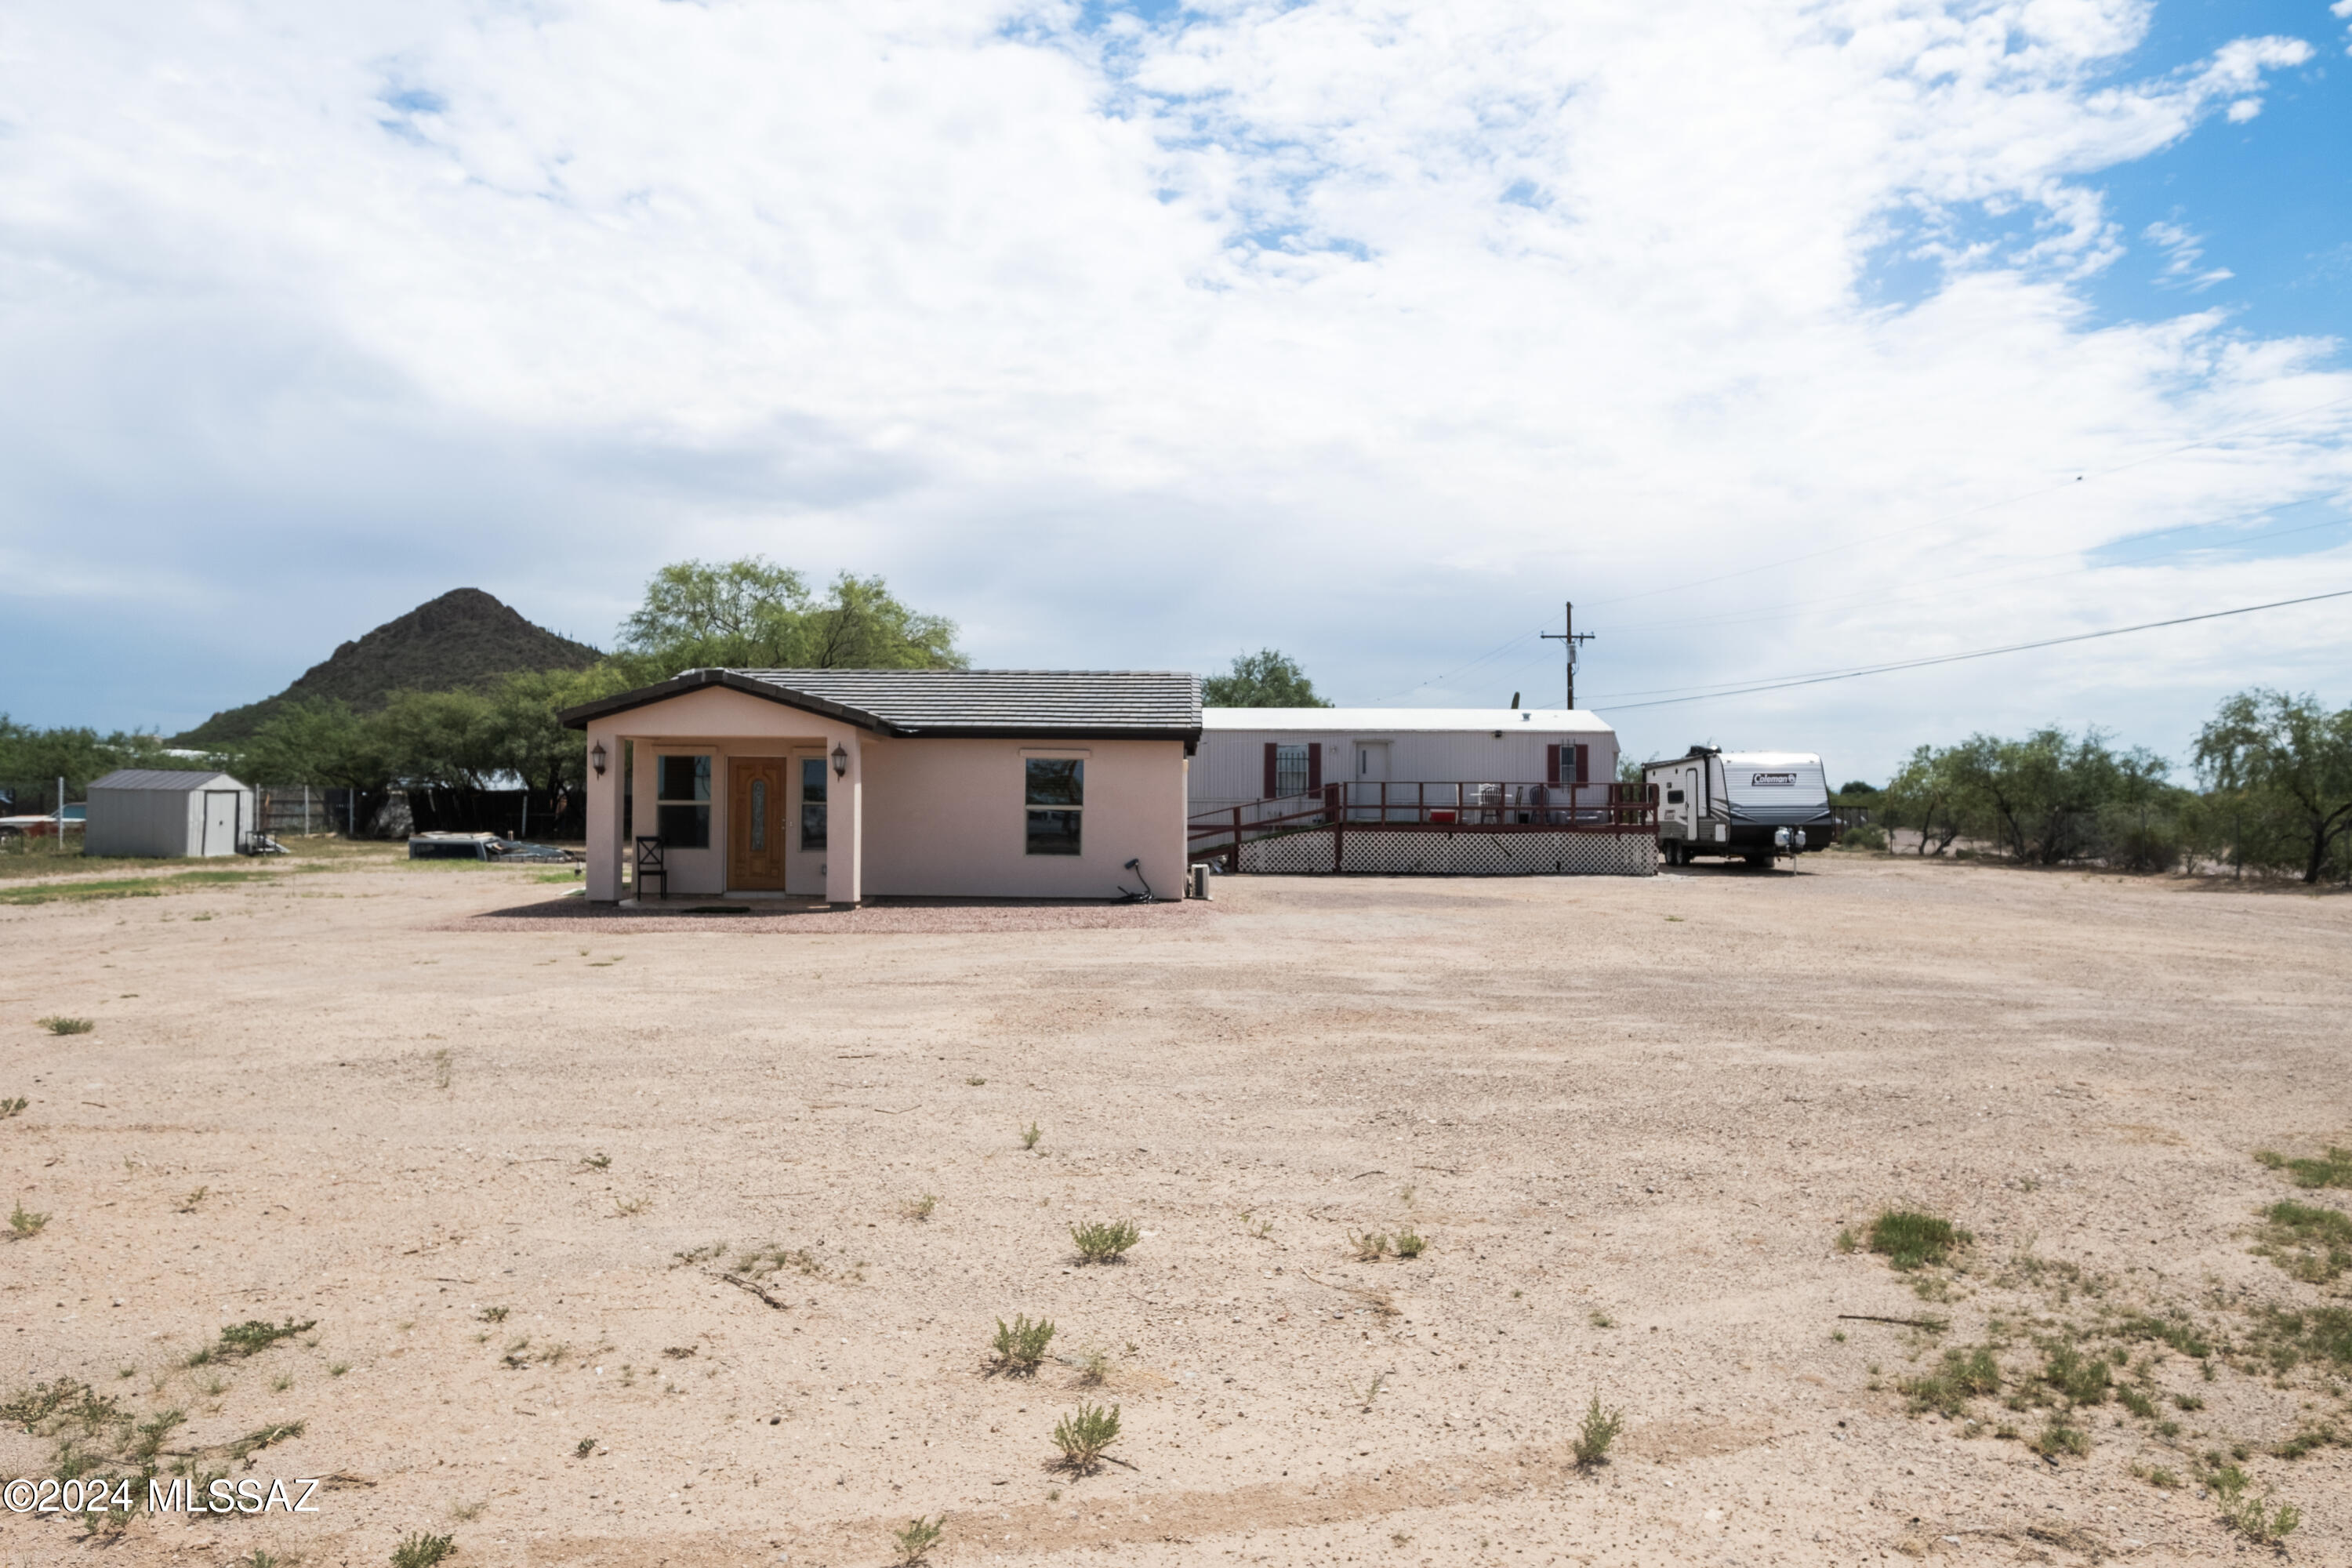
164 811
1249 754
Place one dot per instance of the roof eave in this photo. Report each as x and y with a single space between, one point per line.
581 715
1190 736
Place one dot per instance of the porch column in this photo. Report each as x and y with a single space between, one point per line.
844 830
605 847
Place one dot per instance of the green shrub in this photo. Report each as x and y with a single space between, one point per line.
1021 1344
1084 1435
1104 1241
1410 1244
2252 1517
1913 1240
2177 1332
1963 1375
915 1542
1863 836
2311 1243
421 1551
1600 1429
2057 1438
253 1336
1371 1246
2082 1379
2314 1333
24 1224
68 1025
2333 1171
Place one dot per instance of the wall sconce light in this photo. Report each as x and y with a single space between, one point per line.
596 758
840 762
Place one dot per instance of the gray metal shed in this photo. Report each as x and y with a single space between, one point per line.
163 811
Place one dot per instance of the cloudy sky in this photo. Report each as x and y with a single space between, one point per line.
1783 338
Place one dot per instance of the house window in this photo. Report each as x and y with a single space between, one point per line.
1056 798
812 801
682 802
1289 770
759 816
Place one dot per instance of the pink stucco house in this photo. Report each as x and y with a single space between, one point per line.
849 784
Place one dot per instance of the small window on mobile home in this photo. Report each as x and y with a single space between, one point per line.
1289 770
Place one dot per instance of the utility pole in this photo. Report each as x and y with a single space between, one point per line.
1568 637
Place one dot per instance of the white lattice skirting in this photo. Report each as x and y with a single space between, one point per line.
1368 852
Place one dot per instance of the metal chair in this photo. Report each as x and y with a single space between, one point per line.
650 867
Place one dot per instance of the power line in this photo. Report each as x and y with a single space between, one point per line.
2213 439
1685 585
1972 582
1465 670
1817 679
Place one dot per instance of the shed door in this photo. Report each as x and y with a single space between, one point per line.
220 823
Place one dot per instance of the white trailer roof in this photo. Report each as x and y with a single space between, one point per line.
1392 720
1772 759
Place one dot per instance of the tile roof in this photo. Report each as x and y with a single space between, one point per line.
1108 703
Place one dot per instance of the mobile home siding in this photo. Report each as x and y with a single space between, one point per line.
1236 765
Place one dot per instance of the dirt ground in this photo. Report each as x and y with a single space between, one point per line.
606 1231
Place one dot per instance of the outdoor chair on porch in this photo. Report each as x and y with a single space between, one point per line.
650 867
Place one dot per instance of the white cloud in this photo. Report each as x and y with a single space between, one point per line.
2245 109
1363 329
2182 253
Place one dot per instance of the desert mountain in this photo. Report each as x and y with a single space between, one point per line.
461 638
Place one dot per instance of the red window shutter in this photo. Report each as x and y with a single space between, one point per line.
1551 765
1583 764
1269 770
1314 768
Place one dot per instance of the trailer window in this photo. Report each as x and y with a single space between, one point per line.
1673 798
1289 770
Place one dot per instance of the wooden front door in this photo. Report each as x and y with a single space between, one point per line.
755 823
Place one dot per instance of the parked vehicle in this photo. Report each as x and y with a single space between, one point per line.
484 846
41 824
1750 806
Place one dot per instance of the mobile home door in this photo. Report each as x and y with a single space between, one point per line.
1371 772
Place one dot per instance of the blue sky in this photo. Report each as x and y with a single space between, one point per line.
1783 339
2269 200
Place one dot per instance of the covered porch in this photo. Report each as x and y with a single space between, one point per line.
715 795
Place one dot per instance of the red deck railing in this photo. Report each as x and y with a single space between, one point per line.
1615 810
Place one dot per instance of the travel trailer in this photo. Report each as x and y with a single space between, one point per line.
1750 805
